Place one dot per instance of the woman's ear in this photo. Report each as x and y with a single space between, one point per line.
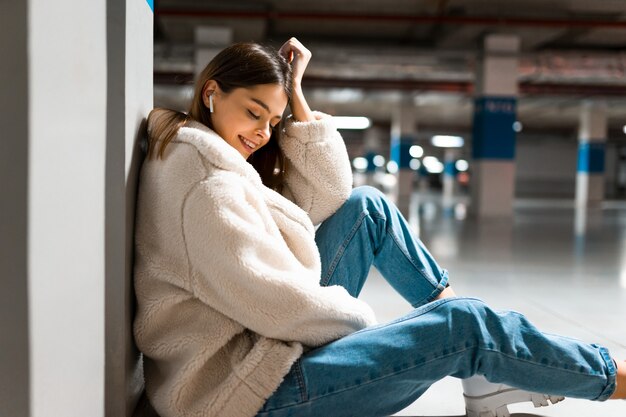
209 88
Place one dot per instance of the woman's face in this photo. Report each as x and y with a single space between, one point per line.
245 117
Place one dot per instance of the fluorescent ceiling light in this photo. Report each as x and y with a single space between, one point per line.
360 163
445 141
379 160
415 164
348 122
433 165
416 151
461 165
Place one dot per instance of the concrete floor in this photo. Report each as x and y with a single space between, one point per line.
565 270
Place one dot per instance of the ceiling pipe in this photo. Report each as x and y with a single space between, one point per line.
415 19
525 88
465 87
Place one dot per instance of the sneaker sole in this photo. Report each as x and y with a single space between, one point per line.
495 404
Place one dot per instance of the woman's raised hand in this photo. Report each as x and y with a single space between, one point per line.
298 56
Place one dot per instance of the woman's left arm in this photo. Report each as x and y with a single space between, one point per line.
318 174
299 57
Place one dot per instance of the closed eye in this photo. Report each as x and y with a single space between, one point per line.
254 116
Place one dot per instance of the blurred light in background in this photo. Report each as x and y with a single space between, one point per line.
415 164
343 95
433 165
416 151
392 167
379 160
446 141
359 163
624 129
461 165
463 178
517 126
388 181
349 122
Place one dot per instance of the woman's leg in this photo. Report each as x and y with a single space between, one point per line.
382 369
369 230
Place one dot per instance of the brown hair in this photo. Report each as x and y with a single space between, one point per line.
241 65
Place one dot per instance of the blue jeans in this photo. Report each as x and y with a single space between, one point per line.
382 369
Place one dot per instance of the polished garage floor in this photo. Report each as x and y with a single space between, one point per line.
565 270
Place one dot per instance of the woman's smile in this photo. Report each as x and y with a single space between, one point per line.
248 144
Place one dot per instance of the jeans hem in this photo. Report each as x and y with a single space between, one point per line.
443 283
612 369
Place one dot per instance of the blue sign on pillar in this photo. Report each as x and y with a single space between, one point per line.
591 157
449 168
400 151
370 161
394 149
493 134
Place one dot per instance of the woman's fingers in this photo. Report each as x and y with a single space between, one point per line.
293 48
297 55
286 51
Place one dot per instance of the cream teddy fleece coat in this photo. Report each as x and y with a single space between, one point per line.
227 271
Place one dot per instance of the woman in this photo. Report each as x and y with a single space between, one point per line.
245 309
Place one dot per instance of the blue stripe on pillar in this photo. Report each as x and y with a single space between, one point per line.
151 4
449 168
394 149
399 152
493 134
591 157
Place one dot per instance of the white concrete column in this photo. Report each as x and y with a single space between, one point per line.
67 126
129 100
74 92
592 136
449 176
403 132
493 148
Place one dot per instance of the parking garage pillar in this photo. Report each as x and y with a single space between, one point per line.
592 135
493 148
449 176
403 132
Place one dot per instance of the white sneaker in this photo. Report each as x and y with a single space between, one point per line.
485 399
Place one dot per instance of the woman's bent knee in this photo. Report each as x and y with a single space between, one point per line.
366 191
366 195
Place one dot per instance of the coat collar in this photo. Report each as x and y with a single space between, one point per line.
217 151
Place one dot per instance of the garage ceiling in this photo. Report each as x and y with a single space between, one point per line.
368 55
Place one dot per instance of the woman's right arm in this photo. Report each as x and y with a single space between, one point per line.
250 275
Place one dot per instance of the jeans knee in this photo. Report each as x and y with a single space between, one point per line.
468 318
365 195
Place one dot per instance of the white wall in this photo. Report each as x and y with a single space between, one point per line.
547 166
67 142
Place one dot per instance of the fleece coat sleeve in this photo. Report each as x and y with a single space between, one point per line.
246 271
318 175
